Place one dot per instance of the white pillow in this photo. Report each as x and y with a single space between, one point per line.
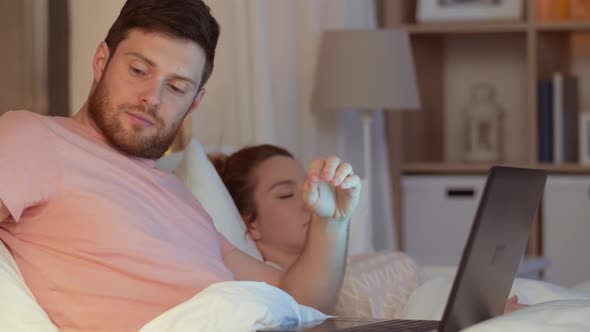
19 311
199 175
169 162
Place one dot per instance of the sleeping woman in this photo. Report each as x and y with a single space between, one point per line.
266 184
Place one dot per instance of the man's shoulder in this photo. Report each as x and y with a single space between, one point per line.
23 123
23 115
23 118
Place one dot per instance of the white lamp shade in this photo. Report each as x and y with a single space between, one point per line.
365 69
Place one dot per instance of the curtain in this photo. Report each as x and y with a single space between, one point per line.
262 84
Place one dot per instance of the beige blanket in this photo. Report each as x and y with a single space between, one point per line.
378 285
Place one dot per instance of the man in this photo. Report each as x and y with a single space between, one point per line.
107 242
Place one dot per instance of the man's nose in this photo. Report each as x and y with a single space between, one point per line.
151 96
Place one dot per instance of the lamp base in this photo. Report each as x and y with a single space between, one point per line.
367 121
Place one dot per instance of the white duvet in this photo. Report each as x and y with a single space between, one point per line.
238 306
248 306
552 308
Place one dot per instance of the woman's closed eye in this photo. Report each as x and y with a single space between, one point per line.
284 189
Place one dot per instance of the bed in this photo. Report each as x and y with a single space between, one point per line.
255 305
383 284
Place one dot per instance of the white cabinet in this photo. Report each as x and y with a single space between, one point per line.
566 221
438 213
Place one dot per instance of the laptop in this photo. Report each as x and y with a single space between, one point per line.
490 260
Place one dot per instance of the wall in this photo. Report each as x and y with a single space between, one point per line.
495 59
14 83
90 21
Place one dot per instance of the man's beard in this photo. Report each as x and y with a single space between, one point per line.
132 142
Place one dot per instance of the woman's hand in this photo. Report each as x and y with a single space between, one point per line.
332 190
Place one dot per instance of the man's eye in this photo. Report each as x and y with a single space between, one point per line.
176 89
285 196
137 72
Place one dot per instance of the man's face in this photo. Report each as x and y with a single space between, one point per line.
145 91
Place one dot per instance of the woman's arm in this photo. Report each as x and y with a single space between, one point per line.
331 192
315 279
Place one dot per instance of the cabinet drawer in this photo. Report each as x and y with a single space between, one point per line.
566 221
438 213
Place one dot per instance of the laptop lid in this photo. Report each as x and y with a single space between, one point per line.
495 246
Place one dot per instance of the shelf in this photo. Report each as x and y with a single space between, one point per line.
565 26
494 27
465 27
446 168
465 168
451 57
567 168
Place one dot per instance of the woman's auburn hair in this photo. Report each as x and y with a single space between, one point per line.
237 171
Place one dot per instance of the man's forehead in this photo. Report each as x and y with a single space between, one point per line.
182 57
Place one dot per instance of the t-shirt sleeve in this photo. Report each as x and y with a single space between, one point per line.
29 171
226 246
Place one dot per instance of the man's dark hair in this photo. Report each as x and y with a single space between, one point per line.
183 19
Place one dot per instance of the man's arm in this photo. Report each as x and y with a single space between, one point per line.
3 212
315 279
25 144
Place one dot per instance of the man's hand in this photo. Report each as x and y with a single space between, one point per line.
513 305
331 190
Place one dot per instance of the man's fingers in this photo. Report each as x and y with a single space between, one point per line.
512 305
513 299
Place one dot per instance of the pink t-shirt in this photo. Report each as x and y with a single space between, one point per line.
105 242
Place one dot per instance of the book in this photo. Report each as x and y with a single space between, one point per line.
580 10
570 119
552 10
557 117
565 118
545 120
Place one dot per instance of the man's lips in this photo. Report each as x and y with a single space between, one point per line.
141 118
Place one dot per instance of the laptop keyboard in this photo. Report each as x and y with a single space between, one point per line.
397 325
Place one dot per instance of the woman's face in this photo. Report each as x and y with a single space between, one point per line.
282 218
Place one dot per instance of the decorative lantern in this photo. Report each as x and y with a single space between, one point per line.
484 125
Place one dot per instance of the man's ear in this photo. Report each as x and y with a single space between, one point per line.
253 227
197 101
101 59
